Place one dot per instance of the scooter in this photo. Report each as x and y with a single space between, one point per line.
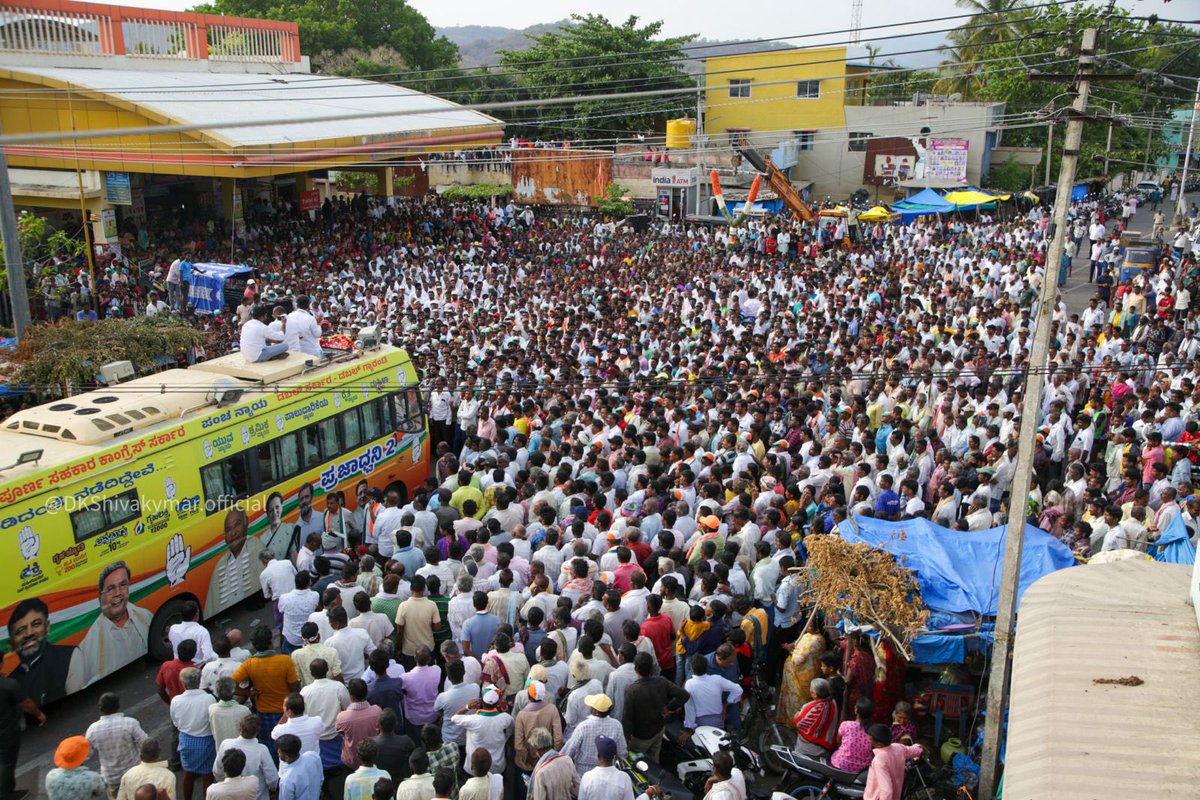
692 759
645 773
808 779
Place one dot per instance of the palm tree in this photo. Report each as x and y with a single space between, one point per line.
960 73
991 20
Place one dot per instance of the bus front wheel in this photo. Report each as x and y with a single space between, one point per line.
168 614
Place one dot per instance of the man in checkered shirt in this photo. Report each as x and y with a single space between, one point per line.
581 747
116 740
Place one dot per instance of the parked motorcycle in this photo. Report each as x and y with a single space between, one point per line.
691 757
808 779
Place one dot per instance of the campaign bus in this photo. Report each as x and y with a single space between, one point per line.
119 505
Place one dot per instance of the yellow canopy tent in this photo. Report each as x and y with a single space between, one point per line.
971 198
879 214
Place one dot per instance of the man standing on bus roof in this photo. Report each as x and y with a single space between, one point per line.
45 671
257 343
121 632
302 331
236 575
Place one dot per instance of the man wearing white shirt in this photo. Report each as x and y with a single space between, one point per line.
257 343
295 607
278 576
709 693
387 521
190 628
302 331
306 729
353 644
325 698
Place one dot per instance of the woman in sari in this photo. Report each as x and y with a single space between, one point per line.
799 671
860 673
889 681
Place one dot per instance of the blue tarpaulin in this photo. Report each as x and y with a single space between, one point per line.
207 290
1174 545
1079 191
941 647
959 571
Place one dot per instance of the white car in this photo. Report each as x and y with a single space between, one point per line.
1147 187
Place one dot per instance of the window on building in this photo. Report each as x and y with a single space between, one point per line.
858 141
808 90
739 87
805 140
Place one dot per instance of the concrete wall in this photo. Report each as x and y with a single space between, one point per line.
837 171
442 174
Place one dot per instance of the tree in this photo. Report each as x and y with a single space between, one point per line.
356 63
615 201
68 354
341 25
1010 177
594 56
1136 44
39 243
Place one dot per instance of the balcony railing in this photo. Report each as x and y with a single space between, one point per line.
68 28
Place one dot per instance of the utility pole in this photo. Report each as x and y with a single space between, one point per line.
17 291
1049 150
1149 142
1031 402
1108 143
1187 157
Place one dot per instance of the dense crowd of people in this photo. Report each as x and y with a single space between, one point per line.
633 434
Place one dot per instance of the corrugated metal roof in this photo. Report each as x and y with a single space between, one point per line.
213 98
1072 738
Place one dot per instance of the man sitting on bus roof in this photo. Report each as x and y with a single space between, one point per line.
258 343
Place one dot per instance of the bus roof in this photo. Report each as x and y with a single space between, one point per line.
75 426
1077 726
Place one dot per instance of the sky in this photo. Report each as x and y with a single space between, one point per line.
716 19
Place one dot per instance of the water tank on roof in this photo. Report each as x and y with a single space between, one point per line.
680 132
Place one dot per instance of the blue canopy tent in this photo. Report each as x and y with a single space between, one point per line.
959 573
923 203
207 285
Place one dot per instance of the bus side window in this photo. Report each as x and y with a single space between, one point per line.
289 456
225 482
399 411
310 447
330 448
351 428
106 514
416 414
372 428
268 468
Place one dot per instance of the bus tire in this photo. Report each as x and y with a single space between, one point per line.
169 613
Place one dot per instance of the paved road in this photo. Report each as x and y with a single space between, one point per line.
1078 290
139 698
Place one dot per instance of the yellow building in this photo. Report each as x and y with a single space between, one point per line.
777 91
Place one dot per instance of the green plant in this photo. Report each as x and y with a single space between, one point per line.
613 202
68 354
354 181
1010 176
478 191
36 244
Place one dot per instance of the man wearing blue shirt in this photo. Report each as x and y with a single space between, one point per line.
887 502
300 774
480 628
